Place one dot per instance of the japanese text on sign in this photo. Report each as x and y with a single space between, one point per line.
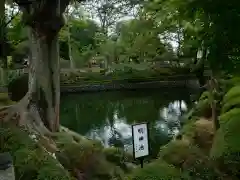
140 140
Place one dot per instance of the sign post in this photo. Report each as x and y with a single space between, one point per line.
140 133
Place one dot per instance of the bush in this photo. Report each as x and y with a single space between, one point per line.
157 170
226 146
200 133
203 108
118 157
30 161
190 159
85 157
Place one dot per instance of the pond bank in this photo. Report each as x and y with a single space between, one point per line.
192 84
109 86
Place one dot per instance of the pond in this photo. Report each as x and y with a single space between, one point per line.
108 116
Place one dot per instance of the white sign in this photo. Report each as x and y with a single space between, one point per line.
140 140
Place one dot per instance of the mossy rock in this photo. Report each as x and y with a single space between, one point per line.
200 133
229 134
118 157
175 152
203 109
157 170
190 159
86 158
30 160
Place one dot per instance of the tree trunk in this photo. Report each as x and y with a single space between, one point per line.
3 40
44 78
72 65
212 89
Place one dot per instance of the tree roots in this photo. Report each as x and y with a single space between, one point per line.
26 115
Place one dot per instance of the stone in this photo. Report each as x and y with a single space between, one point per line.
6 167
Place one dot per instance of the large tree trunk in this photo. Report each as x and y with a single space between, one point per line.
3 42
44 80
40 107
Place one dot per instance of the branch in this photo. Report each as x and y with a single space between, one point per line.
13 16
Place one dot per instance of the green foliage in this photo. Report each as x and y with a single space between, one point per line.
157 170
232 94
226 146
203 108
190 159
30 161
118 157
86 157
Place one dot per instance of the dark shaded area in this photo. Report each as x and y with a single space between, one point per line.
18 87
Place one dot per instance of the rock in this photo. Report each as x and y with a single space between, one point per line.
6 167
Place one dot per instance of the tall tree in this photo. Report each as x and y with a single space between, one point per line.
40 107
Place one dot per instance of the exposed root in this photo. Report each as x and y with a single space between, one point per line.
26 115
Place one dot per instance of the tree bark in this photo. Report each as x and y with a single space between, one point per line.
3 40
212 89
40 107
44 78
72 64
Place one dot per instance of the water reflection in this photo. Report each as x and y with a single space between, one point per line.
107 117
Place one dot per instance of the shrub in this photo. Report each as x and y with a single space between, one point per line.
190 159
118 156
157 170
226 146
30 160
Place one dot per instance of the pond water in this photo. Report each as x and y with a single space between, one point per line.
108 116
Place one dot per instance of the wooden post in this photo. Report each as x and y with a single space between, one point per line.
6 167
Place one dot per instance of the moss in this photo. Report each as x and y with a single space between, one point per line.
188 129
118 156
232 93
157 170
203 109
226 151
218 144
86 157
225 117
190 159
200 133
30 160
176 152
230 104
204 95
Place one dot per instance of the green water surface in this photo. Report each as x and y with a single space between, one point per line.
108 116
